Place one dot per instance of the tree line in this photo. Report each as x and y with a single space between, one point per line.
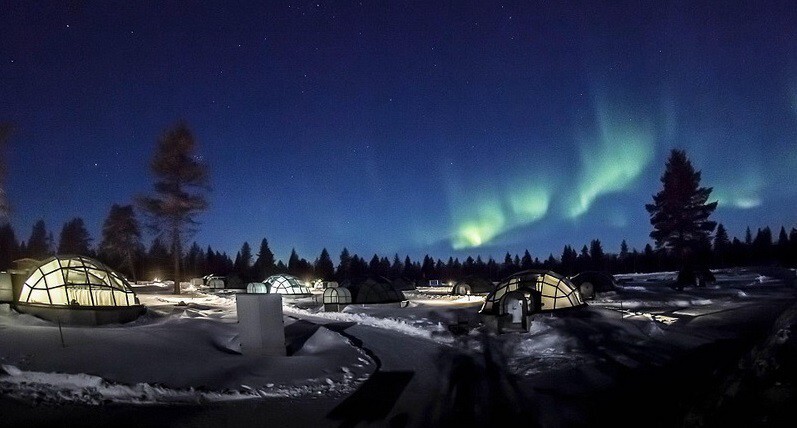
121 247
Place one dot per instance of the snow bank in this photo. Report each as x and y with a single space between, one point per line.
60 388
435 332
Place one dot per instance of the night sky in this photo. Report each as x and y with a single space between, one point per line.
447 128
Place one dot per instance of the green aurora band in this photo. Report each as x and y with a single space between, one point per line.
610 162
613 162
745 194
494 217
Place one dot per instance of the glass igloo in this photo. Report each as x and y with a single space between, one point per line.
336 298
62 286
287 285
337 295
553 291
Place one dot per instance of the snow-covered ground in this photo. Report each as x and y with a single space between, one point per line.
431 362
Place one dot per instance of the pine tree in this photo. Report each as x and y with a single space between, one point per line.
38 245
427 268
211 266
623 249
324 268
121 239
439 267
526 262
264 265
157 259
507 267
180 182
243 264
583 260
397 268
75 238
373 265
721 245
680 212
5 207
358 267
492 269
762 245
569 257
792 258
721 240
409 269
783 247
293 263
623 257
9 247
596 255
551 263
344 267
468 266
479 267
195 260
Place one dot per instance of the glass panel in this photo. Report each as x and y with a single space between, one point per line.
76 276
76 281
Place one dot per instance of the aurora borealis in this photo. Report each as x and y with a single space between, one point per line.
443 128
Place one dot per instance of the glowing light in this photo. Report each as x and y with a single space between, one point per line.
611 164
489 222
747 203
743 202
530 205
746 192
521 207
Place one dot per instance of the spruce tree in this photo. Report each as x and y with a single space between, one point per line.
38 245
623 250
762 245
396 268
5 207
75 238
121 239
264 264
244 270
569 257
597 257
344 267
792 257
157 259
427 268
293 264
680 212
9 247
195 260
324 268
180 183
721 245
782 247
373 265
526 262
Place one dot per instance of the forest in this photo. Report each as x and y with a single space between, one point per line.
759 248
